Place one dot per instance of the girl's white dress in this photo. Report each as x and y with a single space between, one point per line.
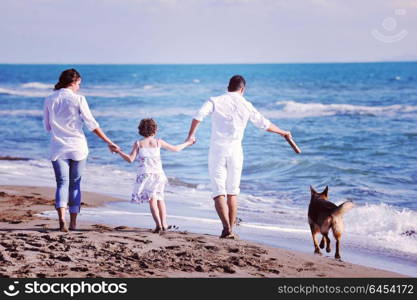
150 179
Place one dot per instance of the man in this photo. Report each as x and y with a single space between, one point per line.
230 113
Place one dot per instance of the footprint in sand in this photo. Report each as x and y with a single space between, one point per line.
227 269
172 247
212 247
120 227
308 264
237 261
79 269
233 250
35 244
17 256
101 228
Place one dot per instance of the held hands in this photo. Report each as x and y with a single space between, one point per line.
190 141
114 148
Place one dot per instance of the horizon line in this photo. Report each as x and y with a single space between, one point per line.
185 64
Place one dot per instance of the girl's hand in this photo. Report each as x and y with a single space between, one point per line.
114 148
191 141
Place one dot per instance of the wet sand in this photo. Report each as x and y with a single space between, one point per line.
32 246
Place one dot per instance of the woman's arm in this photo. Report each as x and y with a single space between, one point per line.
112 146
176 148
93 126
131 157
46 124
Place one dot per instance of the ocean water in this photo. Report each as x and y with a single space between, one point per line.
355 123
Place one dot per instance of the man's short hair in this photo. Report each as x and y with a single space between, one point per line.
236 83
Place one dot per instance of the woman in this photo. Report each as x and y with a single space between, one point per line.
65 112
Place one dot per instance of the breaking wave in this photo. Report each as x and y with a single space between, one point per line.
292 109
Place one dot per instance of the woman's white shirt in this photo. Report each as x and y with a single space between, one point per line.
65 112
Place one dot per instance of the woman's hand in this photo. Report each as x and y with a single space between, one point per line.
113 148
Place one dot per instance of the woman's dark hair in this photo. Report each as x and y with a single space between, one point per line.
236 83
147 127
67 78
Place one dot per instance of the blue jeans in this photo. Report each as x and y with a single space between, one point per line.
68 174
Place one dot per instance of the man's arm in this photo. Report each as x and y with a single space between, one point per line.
204 111
261 122
193 128
275 129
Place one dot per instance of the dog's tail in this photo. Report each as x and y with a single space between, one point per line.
343 208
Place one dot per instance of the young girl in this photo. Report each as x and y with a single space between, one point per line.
151 179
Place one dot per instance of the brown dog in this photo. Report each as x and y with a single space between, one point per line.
323 215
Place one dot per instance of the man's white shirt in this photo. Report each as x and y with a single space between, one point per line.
230 114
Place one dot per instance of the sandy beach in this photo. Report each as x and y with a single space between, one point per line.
31 246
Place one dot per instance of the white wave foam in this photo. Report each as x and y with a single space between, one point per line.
292 109
40 90
383 226
21 112
140 113
145 113
38 85
25 93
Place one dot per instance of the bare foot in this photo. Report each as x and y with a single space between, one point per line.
157 230
231 236
73 226
63 226
225 232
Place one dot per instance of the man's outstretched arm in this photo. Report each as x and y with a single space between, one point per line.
193 129
263 123
275 129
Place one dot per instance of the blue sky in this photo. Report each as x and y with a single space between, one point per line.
206 31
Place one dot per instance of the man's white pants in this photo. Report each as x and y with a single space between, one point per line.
225 171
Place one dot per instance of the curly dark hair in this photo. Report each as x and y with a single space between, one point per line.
147 127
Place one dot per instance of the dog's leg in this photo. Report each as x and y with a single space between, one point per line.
337 254
328 248
314 231
316 244
322 243
337 229
325 241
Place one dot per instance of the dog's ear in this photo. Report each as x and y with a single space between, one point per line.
325 191
313 191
